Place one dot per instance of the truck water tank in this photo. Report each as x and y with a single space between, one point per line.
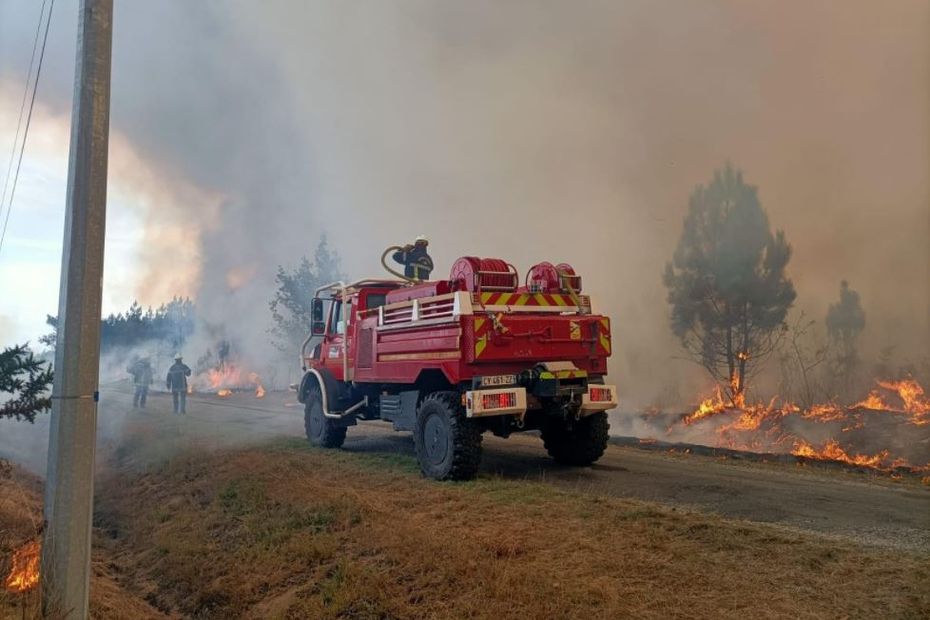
488 274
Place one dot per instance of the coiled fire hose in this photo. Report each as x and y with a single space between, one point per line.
564 277
391 271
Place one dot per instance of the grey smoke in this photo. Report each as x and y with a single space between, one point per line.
531 131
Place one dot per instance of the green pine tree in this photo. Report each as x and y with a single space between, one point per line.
727 287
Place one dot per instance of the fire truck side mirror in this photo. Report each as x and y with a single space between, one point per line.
318 328
316 311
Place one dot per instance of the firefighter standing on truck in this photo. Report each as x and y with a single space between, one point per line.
417 263
177 383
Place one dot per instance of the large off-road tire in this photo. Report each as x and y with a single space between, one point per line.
581 445
321 431
448 444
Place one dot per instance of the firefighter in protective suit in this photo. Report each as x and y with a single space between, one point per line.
176 382
141 372
417 263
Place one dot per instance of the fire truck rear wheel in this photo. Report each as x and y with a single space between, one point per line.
581 445
448 444
321 431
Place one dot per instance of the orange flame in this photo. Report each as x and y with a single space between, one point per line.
825 412
255 380
717 404
759 427
832 451
708 407
739 396
24 572
912 398
229 377
872 401
911 394
751 417
226 376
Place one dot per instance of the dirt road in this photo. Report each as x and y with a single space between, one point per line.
872 510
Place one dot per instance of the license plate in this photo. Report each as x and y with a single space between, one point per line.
498 380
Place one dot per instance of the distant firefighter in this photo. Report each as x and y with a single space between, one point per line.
417 263
177 383
141 371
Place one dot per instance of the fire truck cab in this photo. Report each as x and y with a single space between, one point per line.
452 359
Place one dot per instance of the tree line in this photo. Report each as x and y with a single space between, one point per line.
171 323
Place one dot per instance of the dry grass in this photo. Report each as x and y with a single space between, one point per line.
292 532
20 522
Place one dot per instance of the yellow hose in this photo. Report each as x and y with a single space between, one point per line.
391 271
565 278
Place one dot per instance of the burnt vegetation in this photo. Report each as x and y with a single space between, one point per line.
731 298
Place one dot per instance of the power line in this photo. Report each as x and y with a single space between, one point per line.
22 106
35 89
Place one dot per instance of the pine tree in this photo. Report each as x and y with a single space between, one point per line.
845 322
727 287
27 381
290 307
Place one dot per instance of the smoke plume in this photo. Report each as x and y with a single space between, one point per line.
526 130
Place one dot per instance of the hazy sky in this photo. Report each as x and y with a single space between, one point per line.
527 130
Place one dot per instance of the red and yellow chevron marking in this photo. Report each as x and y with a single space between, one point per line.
525 299
481 335
604 334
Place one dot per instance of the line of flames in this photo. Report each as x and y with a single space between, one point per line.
915 406
228 378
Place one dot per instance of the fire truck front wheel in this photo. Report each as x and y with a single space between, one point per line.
580 445
448 444
321 431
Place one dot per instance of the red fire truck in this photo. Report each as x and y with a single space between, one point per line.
451 359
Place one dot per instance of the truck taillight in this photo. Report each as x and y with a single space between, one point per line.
501 400
599 394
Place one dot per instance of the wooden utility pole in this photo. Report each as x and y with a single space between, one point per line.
69 492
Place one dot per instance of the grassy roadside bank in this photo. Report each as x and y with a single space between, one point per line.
288 531
20 523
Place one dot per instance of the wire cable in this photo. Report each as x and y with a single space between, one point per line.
35 89
22 107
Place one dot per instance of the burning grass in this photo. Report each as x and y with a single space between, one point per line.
289 531
887 431
23 575
20 523
226 379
